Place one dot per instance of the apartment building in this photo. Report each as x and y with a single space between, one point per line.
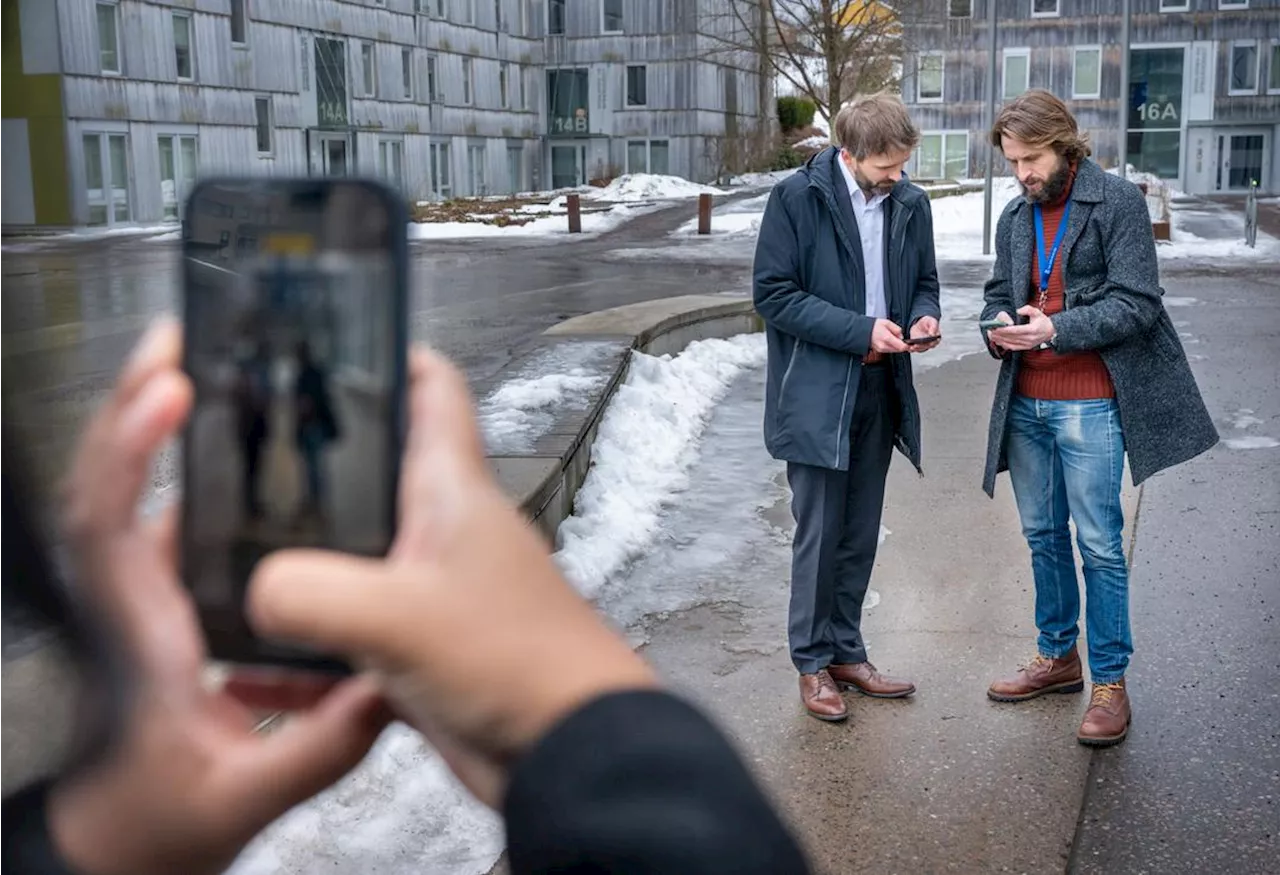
113 108
1203 107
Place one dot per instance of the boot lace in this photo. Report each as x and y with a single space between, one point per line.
1104 695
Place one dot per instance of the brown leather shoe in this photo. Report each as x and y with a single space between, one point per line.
863 677
1107 720
1040 676
821 698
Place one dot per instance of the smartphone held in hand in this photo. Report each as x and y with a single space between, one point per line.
295 297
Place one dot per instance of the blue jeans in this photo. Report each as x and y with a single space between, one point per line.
1066 458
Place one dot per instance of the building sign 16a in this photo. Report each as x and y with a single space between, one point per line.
1155 111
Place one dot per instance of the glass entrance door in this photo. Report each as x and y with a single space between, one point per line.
1244 160
568 166
334 150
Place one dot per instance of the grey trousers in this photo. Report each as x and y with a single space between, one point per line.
837 517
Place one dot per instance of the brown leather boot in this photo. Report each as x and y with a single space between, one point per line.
1040 676
863 677
821 698
1107 720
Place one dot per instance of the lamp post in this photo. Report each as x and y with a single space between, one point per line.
1124 88
991 120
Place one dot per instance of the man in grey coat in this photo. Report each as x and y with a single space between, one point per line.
844 269
1092 370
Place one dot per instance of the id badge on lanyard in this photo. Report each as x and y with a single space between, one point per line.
1047 259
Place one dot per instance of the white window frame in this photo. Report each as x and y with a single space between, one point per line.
648 153
517 184
407 70
564 18
942 77
1056 13
469 12
244 17
271 125
1227 5
185 14
942 152
440 155
369 68
1169 5
179 165
626 86
386 147
1273 67
434 93
468 81
1257 67
109 187
952 17
621 17
504 84
1018 52
115 13
476 171
1076 94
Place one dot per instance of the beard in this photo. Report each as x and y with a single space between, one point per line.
870 188
1053 188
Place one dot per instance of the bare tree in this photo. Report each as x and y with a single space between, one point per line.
829 50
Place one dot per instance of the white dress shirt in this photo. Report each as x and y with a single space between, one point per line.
870 218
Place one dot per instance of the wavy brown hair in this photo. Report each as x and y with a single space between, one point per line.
1039 119
876 125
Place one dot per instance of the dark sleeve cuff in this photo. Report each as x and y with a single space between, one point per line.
28 847
641 782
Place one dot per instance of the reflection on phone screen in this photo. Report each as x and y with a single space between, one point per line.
291 345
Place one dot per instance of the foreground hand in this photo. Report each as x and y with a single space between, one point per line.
887 337
1037 330
925 326
188 783
481 643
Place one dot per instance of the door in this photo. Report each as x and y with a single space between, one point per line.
178 160
441 172
568 166
106 176
333 151
1243 157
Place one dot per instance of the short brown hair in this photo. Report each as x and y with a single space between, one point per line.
876 125
1039 119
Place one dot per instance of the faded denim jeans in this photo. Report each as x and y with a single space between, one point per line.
1066 458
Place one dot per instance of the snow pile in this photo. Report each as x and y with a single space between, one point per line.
757 180
645 445
593 222
813 143
649 187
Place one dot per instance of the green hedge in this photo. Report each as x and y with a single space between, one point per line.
795 112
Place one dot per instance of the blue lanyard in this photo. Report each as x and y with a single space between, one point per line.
1047 260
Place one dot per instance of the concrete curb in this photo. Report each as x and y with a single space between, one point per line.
545 481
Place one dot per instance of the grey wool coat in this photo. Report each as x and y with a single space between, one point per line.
1113 305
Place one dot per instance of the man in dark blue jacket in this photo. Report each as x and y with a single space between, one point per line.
846 282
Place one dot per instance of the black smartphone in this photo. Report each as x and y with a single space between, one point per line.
294 305
916 341
992 324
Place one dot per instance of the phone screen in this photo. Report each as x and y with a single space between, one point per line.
294 313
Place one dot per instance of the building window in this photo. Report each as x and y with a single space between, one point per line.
239 22
648 156
106 178
391 161
182 46
524 91
1244 67
468 11
1044 8
1174 5
498 21
943 155
1086 76
467 96
406 72
441 173
555 17
1155 112
929 75
369 66
441 12
504 89
611 16
109 37
433 90
1273 72
1233 4
475 170
960 9
515 169
178 160
262 111
1017 72
638 85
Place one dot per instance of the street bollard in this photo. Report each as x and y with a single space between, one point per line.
574 203
1251 215
704 214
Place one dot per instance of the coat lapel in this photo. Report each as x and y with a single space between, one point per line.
1022 247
